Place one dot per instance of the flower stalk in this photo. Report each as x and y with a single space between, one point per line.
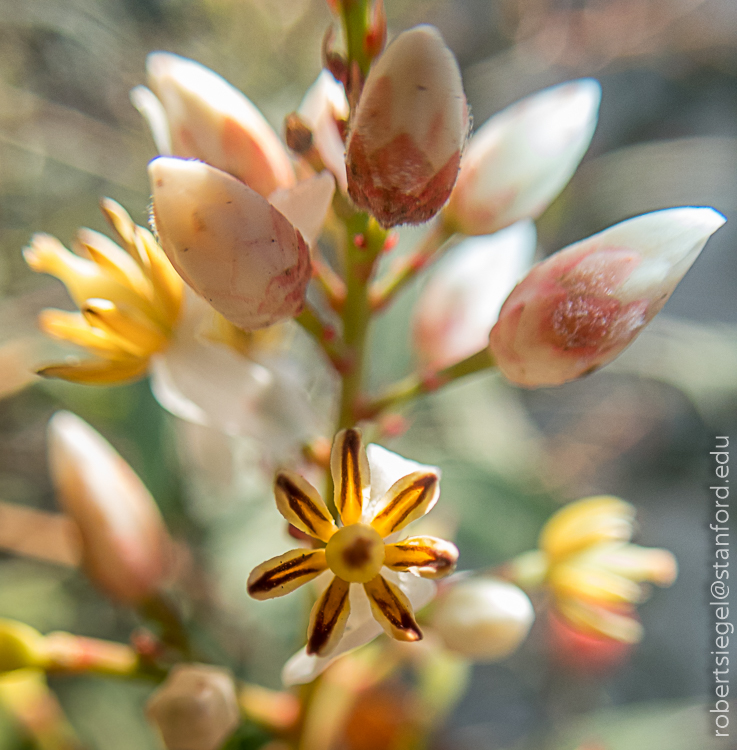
438 240
416 384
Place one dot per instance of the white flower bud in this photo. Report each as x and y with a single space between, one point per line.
578 309
520 159
197 114
196 708
228 243
126 550
407 135
462 299
483 619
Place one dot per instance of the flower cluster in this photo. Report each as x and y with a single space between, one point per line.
253 239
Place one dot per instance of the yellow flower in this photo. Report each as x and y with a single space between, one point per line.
594 575
356 552
129 299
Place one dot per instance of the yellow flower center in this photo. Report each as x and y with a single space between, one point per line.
355 553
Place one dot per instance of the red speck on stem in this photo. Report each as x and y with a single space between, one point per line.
359 241
391 242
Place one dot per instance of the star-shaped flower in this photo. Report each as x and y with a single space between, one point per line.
363 550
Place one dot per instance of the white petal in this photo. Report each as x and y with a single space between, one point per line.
461 302
210 384
324 102
145 101
360 629
386 468
306 204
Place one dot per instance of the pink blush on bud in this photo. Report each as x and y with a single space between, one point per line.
398 183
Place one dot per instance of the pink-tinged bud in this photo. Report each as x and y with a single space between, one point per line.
579 308
408 131
462 299
126 550
196 708
520 159
483 619
228 243
194 113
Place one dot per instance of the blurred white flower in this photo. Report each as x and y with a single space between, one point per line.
522 157
461 301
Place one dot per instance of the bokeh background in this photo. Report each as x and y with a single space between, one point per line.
640 429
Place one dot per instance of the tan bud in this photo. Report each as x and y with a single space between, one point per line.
196 708
406 138
126 550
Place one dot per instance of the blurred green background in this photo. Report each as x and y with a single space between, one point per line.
640 429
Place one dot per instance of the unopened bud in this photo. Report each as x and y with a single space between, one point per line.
579 308
126 550
297 134
462 299
520 159
229 244
197 114
482 618
196 708
406 139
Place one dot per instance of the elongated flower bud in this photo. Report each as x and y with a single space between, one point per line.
126 550
461 302
405 144
194 113
196 708
520 159
579 308
228 243
483 618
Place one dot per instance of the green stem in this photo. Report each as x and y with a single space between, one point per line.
433 245
356 20
416 384
326 337
163 611
364 243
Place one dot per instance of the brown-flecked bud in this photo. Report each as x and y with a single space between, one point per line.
408 131
196 708
581 307
126 550
232 246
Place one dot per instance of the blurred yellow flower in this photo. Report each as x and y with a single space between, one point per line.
128 294
593 574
